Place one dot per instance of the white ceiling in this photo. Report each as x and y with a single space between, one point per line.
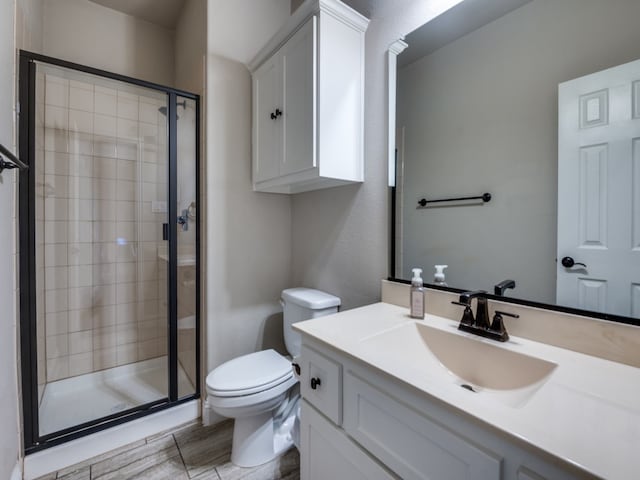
161 12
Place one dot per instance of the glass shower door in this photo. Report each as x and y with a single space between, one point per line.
101 176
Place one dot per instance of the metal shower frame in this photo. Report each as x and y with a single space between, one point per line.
33 441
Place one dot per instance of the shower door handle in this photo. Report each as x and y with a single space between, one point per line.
165 232
183 220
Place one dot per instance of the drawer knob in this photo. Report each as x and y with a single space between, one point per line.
315 383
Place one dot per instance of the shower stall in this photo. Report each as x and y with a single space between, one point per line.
109 249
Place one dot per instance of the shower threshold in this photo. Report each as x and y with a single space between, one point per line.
76 400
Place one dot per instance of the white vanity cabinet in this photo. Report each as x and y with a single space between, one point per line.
308 101
335 456
359 423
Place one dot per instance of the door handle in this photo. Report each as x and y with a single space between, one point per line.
568 262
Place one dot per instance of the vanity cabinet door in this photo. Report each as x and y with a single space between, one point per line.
536 469
326 453
267 126
410 443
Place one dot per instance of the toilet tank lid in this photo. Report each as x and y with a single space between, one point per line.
310 298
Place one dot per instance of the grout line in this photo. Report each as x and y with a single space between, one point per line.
184 465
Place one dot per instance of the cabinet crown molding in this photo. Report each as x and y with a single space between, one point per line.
308 9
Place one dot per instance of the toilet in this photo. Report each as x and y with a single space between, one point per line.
260 390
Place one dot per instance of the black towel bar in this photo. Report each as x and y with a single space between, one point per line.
14 161
485 197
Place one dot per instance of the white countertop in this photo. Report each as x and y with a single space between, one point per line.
587 413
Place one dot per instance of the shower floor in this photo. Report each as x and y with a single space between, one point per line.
80 399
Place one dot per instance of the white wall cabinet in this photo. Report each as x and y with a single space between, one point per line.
357 423
308 101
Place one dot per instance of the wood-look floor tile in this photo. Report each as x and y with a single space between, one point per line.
192 424
286 467
204 448
191 452
208 475
99 458
172 469
79 474
48 476
156 460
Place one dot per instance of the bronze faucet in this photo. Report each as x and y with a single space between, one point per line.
479 325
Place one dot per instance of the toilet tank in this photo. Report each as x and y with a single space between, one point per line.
300 304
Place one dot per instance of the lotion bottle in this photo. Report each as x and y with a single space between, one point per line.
438 278
417 295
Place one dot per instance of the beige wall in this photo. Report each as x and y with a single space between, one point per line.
190 46
29 25
9 434
248 234
481 113
237 30
90 34
341 235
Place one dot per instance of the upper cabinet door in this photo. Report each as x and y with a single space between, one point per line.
267 119
308 101
299 106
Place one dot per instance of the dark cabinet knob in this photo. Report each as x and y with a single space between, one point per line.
276 114
568 262
315 383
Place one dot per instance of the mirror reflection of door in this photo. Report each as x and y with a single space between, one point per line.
599 191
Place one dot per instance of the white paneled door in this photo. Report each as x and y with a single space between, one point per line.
599 191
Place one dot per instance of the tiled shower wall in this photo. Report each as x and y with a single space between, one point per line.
101 198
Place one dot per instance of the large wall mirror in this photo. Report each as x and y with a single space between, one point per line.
537 103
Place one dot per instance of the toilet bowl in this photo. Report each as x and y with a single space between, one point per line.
260 390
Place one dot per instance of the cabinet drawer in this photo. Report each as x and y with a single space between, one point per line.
409 442
327 453
321 383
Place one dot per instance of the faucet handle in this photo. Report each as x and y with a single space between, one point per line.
467 316
498 312
497 325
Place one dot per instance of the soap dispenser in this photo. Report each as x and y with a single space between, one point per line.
438 278
417 295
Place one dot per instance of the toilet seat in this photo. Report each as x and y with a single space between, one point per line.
249 374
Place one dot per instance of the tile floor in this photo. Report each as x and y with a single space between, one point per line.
189 452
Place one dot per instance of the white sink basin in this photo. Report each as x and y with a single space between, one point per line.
476 365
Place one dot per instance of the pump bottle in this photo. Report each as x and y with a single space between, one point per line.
438 278
417 295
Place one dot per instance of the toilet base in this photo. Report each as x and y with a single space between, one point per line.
256 440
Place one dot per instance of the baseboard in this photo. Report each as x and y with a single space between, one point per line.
209 417
16 473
